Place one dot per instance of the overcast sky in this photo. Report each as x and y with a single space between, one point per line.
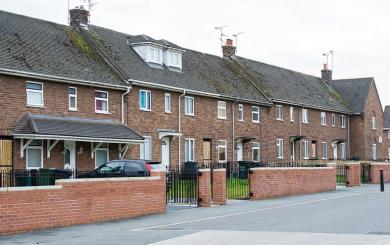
290 34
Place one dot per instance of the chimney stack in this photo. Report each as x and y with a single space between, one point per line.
79 17
326 75
228 50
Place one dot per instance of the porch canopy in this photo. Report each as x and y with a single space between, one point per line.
57 128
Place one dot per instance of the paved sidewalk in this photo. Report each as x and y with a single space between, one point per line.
346 215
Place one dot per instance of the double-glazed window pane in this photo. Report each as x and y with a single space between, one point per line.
34 154
145 100
255 114
34 94
72 98
101 101
101 156
240 112
189 150
167 102
221 109
279 148
305 149
256 151
189 105
222 155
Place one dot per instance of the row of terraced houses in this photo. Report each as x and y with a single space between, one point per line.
81 95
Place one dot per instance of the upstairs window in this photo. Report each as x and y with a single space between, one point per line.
189 107
333 120
167 102
221 110
34 92
305 116
222 146
241 112
279 112
72 92
342 121
173 59
291 114
255 114
323 118
373 122
101 102
145 100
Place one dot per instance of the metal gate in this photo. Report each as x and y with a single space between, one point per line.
341 175
237 180
365 172
182 186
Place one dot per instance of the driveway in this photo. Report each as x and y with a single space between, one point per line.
359 215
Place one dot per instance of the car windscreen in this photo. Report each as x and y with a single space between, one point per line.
111 167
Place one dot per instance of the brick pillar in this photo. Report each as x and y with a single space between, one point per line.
163 176
219 186
204 188
353 174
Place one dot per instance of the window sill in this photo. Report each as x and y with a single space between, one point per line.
102 112
305 122
190 115
243 120
74 110
323 125
36 106
221 118
280 158
147 110
168 112
256 121
278 119
292 121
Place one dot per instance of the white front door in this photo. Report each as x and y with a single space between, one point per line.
334 145
70 155
239 151
165 151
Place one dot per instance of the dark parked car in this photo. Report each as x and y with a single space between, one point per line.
124 168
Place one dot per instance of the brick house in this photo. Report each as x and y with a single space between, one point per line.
165 102
386 132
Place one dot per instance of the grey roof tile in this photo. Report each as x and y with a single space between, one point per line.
354 91
73 126
37 46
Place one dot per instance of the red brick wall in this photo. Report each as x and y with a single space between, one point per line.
219 186
204 188
277 182
375 175
353 174
79 202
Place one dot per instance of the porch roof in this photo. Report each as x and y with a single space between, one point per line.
38 126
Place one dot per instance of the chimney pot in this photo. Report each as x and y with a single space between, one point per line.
79 16
229 42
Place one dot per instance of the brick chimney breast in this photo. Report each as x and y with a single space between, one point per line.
228 50
79 16
326 75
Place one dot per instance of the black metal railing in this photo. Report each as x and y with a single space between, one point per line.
182 184
365 172
341 175
33 177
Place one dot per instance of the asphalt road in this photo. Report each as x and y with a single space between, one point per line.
346 216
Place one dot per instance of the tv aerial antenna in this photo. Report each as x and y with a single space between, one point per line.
236 37
326 56
220 29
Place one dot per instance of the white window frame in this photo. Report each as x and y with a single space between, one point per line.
323 118
256 146
333 120
34 147
191 152
305 115
143 154
342 121
324 152
222 144
72 96
35 91
374 151
343 151
173 59
103 99
187 110
159 55
388 134
279 113
148 100
167 101
256 112
102 149
373 122
279 148
240 112
305 149
221 106
291 114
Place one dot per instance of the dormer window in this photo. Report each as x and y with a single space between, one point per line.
173 59
155 55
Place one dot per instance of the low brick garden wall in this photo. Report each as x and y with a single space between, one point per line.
79 201
375 172
278 182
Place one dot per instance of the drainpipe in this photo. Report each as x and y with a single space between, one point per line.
184 93
123 104
233 129
300 133
349 147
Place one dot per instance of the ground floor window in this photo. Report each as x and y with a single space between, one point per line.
343 153
305 149
324 150
373 152
256 151
146 149
279 148
34 155
189 150
101 156
222 155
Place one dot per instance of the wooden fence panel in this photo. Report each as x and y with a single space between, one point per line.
5 152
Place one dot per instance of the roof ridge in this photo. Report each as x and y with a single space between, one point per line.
30 17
